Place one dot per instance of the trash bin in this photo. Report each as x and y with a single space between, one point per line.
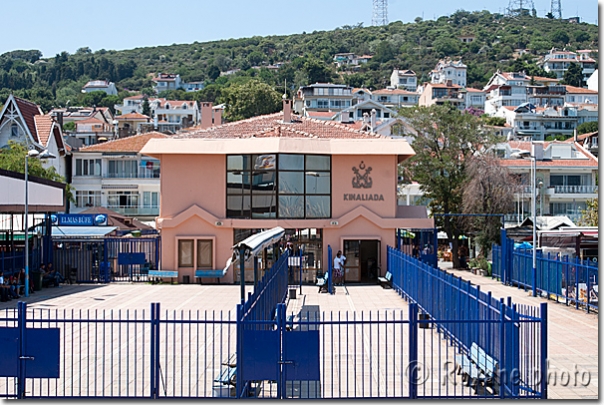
292 294
185 279
424 317
36 280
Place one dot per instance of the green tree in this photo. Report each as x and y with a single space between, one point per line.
574 75
13 159
444 139
146 108
446 46
589 216
213 72
317 71
560 37
384 52
250 99
495 121
587 127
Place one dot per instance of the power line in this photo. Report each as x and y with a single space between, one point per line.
380 12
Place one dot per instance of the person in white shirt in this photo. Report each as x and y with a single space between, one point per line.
338 267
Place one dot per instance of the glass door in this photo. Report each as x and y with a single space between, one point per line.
352 251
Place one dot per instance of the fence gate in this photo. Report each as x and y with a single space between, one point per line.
79 261
130 259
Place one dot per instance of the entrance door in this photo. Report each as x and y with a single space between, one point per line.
362 260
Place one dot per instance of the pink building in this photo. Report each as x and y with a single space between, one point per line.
324 182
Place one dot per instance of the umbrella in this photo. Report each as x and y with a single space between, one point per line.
523 245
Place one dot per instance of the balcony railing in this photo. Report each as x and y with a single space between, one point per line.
129 210
140 175
575 189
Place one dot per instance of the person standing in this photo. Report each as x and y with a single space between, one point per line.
338 268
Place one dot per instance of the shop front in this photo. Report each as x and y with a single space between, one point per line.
324 183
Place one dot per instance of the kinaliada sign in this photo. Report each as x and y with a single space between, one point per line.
363 197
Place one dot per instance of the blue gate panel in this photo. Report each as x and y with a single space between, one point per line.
130 258
41 344
302 347
260 355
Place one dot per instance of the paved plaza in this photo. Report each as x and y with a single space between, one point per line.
573 334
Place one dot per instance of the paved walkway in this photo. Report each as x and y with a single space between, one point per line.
573 336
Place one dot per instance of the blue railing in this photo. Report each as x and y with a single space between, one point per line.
270 291
571 279
469 316
13 263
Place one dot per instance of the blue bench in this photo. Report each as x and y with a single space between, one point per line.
164 274
210 273
386 281
478 370
228 374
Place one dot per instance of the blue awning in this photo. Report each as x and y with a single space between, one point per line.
59 232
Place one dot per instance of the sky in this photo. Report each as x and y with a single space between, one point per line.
67 25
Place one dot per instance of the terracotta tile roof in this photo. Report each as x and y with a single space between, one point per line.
394 91
90 120
318 114
579 90
137 97
272 125
544 79
174 103
473 90
29 110
588 161
129 144
44 124
132 116
581 137
511 76
444 86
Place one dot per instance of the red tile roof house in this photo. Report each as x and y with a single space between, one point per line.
326 184
24 121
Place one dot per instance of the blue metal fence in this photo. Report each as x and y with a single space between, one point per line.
572 280
12 263
469 316
270 291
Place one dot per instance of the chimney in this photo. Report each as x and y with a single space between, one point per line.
575 135
287 110
155 122
217 116
60 119
206 115
344 117
373 119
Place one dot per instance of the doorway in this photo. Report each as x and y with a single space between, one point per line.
362 260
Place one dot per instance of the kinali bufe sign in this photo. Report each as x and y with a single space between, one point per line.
362 179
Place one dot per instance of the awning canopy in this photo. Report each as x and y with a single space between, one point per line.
257 242
89 232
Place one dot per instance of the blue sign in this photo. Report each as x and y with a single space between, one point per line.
80 219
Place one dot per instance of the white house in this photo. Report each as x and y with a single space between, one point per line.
116 176
23 121
592 82
396 97
566 178
100 85
323 97
559 61
538 123
447 69
505 89
166 81
403 79
172 114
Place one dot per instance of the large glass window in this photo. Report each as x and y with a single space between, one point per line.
88 167
278 186
122 169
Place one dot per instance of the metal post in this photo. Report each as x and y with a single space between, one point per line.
300 251
534 162
255 272
21 323
543 359
413 364
242 272
26 230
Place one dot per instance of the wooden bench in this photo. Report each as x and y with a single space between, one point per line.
163 274
386 281
478 370
322 282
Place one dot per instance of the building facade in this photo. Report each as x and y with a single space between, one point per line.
324 183
115 175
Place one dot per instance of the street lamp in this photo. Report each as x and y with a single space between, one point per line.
533 157
34 154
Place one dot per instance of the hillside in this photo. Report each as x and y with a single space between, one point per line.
307 57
